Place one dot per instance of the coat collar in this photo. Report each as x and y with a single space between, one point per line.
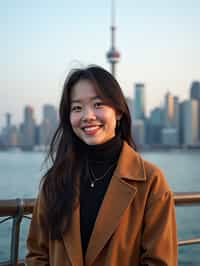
130 165
122 191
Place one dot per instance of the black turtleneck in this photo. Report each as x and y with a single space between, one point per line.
101 159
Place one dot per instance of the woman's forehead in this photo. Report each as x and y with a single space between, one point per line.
84 89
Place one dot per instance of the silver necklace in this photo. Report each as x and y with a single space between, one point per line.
93 179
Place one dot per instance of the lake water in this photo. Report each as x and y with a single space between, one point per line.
20 174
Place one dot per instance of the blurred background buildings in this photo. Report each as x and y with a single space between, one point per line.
174 124
30 135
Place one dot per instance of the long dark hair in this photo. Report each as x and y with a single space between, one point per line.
60 183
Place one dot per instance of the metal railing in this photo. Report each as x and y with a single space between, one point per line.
15 210
19 208
187 199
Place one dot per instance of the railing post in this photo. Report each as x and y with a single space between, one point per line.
16 232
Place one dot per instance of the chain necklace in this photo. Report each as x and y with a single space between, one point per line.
93 179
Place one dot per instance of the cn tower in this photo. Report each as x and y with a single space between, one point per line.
113 56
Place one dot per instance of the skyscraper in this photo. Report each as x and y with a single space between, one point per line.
48 125
169 112
28 128
139 101
9 132
195 90
170 131
8 120
155 125
50 113
195 94
189 115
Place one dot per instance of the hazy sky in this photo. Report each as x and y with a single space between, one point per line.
41 41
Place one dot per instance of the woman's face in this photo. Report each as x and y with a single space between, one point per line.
92 120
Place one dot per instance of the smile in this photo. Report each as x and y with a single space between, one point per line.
91 130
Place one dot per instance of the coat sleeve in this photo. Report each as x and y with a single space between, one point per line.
159 239
38 236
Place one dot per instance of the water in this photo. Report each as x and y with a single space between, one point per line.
20 174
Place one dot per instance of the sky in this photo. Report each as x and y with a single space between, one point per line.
41 41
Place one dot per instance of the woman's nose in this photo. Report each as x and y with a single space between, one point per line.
88 114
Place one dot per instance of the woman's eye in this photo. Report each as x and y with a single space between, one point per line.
76 108
98 104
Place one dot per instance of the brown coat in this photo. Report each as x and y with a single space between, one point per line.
135 224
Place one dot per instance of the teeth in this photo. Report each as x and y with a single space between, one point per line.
90 128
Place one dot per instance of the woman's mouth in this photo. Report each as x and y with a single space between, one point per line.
91 130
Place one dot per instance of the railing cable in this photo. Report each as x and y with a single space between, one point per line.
6 219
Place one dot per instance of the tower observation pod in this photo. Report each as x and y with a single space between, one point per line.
113 56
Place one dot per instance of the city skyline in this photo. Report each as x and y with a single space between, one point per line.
159 45
174 124
132 102
38 112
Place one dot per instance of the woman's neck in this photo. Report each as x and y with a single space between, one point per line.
108 151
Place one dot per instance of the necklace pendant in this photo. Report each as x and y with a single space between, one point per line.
92 184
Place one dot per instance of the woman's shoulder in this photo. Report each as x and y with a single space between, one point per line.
153 174
151 169
135 167
155 178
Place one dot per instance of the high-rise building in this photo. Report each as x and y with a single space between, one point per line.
28 128
176 112
9 133
8 120
195 90
156 116
169 137
139 132
171 131
50 113
48 125
169 112
139 101
195 94
189 118
155 125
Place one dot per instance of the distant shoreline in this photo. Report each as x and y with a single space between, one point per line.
146 148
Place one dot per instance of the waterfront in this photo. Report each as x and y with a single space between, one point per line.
20 174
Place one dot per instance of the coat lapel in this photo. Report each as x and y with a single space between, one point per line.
119 195
72 239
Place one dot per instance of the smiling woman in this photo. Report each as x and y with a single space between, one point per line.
100 203
92 120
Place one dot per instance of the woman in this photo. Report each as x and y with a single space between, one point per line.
100 203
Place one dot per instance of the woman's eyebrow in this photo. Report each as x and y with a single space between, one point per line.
92 98
96 98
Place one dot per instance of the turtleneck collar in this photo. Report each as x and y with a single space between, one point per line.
108 151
